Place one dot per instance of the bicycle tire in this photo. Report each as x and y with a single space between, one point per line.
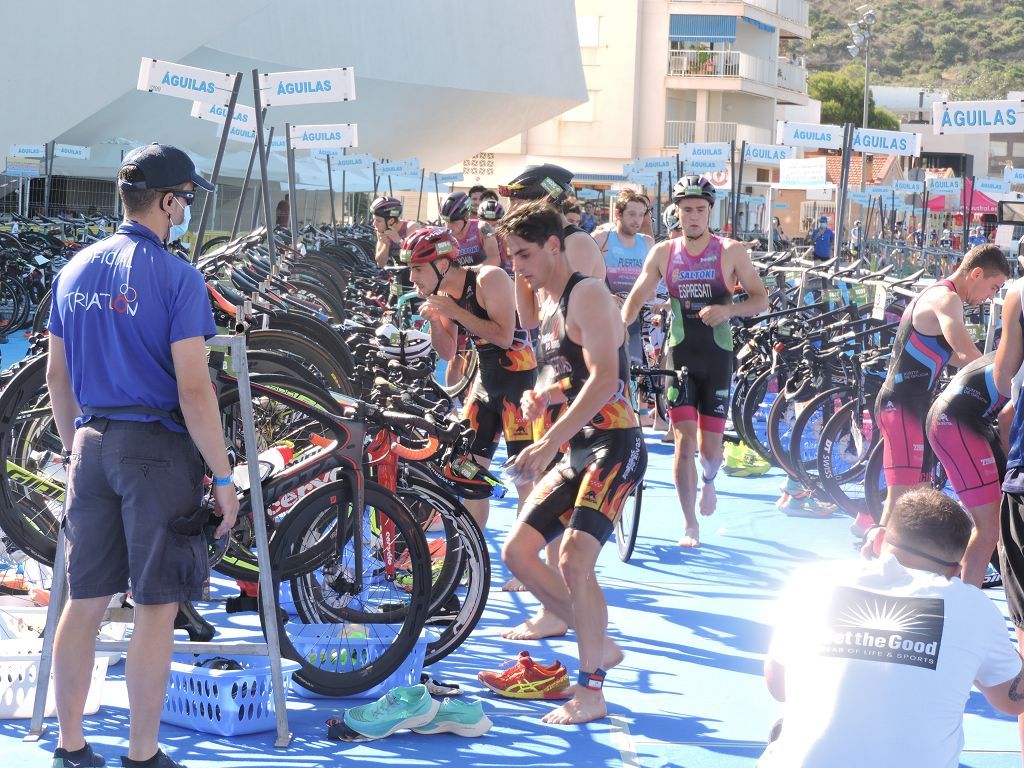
628 523
330 370
756 407
304 567
842 457
814 415
781 418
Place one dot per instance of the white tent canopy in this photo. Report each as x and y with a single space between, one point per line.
439 81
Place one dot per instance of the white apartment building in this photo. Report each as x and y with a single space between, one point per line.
661 72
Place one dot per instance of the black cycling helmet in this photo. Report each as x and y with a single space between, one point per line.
670 217
693 186
386 208
456 206
538 181
219 663
490 210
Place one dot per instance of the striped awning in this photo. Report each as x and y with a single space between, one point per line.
702 29
759 24
578 177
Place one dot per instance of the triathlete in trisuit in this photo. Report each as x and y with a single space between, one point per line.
961 430
489 213
391 229
699 270
931 334
480 301
582 343
474 249
625 250
554 183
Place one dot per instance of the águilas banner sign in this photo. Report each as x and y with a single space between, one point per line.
192 83
977 117
768 154
244 116
878 142
28 150
811 172
308 86
71 151
333 136
810 135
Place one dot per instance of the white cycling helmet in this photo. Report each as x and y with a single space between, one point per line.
411 344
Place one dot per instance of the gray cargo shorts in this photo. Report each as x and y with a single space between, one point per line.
126 481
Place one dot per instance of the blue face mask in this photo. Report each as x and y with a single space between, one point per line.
178 230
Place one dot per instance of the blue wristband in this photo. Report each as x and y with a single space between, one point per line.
220 482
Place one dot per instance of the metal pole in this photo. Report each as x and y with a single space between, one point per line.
968 214
734 186
419 200
391 192
841 194
437 195
739 184
117 197
924 222
268 213
375 179
290 155
343 196
257 200
867 93
51 150
244 191
330 185
657 209
208 201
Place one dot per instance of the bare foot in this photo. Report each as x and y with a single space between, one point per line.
540 626
691 538
708 499
514 585
584 707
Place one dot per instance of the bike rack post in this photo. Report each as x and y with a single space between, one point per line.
245 190
293 216
204 217
270 648
330 186
268 212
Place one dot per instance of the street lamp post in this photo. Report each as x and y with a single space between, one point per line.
861 30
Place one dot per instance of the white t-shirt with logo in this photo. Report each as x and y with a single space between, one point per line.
879 661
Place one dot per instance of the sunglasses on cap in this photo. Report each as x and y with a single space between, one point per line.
188 197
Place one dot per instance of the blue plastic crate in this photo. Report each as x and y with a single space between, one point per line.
331 646
227 702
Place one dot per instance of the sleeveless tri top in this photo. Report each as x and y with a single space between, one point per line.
394 249
695 282
471 247
518 357
565 358
917 359
623 264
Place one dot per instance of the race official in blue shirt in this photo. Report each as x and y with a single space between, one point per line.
822 239
132 400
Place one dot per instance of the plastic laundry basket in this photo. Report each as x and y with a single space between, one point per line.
19 670
333 646
227 702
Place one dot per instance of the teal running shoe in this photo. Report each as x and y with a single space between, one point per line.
463 718
401 707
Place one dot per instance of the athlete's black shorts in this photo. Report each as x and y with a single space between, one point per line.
705 397
494 410
585 491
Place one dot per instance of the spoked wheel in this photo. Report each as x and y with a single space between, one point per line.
628 524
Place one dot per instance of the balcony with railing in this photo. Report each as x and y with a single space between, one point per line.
793 10
692 131
792 76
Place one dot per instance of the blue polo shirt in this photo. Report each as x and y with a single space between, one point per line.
119 305
822 240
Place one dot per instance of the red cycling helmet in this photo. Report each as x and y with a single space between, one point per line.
386 208
456 206
490 210
428 245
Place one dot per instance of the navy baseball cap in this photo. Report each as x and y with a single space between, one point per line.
163 167
823 219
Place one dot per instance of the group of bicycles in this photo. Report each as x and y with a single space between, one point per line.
365 466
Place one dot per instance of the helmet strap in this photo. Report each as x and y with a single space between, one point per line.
438 275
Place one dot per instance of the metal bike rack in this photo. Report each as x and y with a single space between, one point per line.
271 648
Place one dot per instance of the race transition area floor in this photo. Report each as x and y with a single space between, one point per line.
694 626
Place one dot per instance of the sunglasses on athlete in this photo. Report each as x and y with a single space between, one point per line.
188 197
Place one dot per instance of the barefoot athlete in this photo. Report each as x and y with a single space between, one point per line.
699 270
931 334
481 302
583 342
554 183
